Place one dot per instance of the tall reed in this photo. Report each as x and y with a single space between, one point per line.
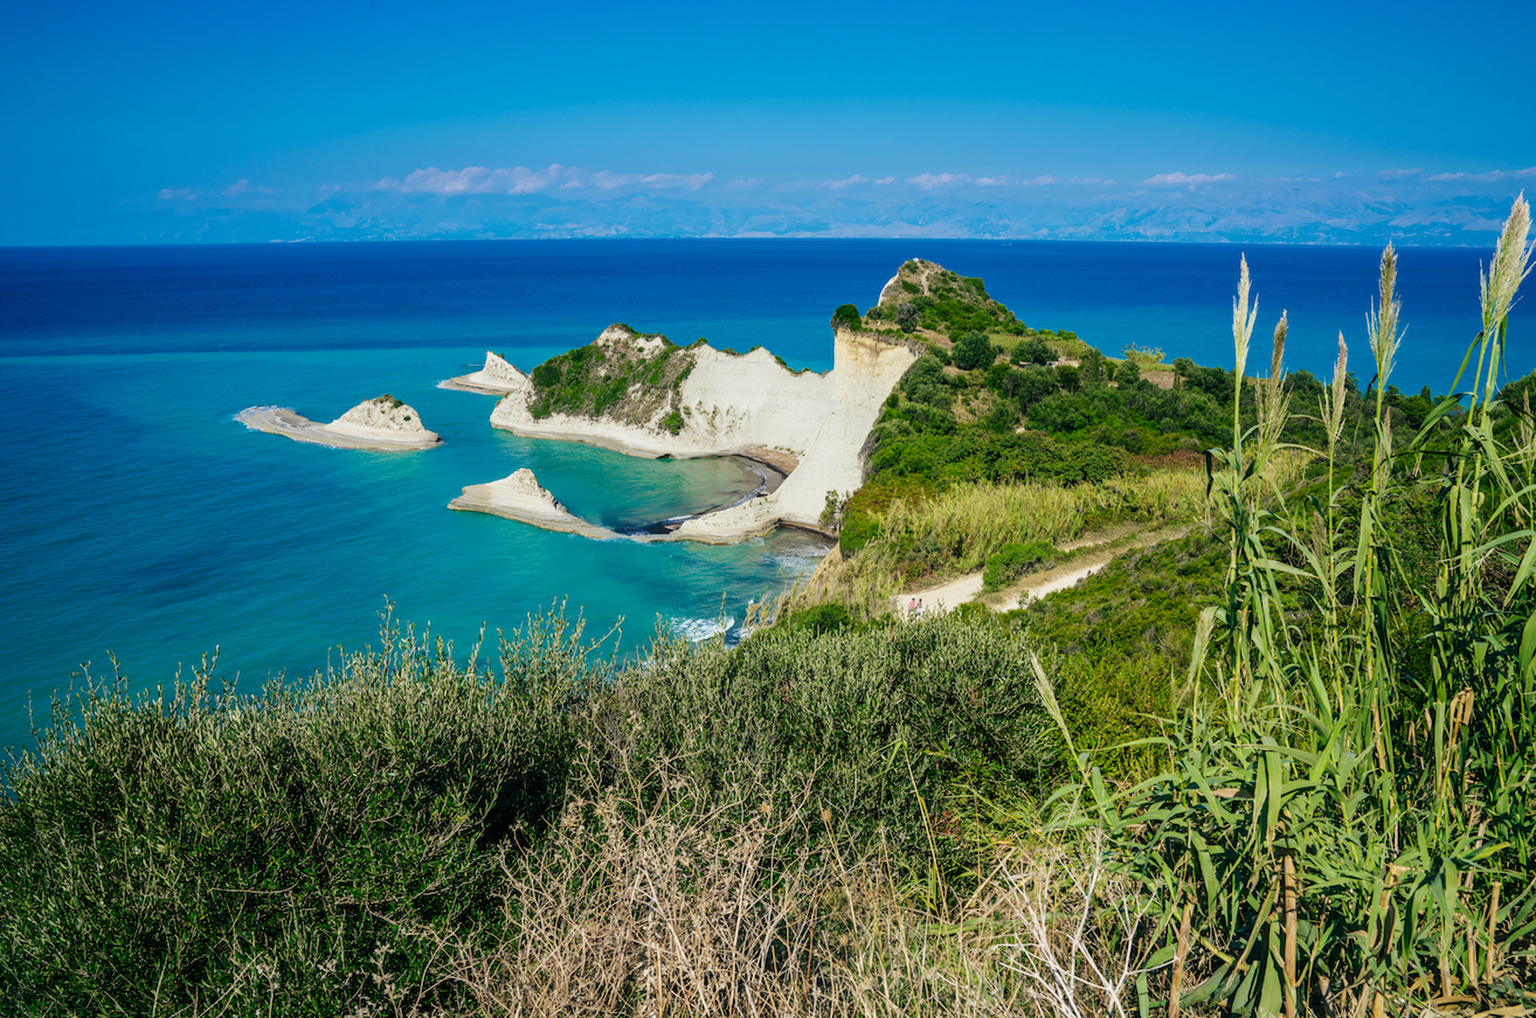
1344 823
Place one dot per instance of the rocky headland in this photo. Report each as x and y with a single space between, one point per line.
383 423
643 395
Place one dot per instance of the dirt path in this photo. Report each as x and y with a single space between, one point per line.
1105 547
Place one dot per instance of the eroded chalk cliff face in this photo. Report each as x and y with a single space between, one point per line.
644 396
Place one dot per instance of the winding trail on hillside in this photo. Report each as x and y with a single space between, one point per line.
1099 550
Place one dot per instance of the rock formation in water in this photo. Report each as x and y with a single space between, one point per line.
520 496
496 377
383 423
384 418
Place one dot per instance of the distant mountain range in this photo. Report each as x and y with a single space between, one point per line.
1426 212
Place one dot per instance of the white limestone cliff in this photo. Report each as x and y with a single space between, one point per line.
730 404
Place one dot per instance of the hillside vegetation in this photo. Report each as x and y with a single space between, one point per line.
625 375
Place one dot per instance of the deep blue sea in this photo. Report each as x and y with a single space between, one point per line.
138 518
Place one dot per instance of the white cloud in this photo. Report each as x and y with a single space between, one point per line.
1399 174
1490 177
1181 179
475 180
1005 180
608 180
1341 173
184 193
243 186
853 181
883 181
522 180
929 181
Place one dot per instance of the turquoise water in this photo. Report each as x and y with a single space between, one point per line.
178 529
138 518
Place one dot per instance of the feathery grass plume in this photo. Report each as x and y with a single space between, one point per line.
1272 404
1243 318
1277 359
1332 399
1511 264
1381 322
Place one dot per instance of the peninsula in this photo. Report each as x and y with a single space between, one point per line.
642 395
383 424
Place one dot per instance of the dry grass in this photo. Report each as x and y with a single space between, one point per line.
957 531
672 909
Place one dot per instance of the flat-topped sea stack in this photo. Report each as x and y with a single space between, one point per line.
496 378
643 395
383 423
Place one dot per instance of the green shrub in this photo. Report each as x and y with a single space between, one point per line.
169 852
1014 560
973 350
312 850
874 724
1032 350
819 618
847 317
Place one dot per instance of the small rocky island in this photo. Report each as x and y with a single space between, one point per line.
383 423
496 378
519 496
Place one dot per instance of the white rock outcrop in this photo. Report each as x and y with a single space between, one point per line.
384 419
383 423
520 496
497 377
736 403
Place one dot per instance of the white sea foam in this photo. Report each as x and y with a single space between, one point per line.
796 561
702 629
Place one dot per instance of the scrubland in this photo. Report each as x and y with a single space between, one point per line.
1285 764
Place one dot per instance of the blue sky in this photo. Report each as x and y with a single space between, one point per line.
377 118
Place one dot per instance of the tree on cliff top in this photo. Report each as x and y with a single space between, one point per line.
847 317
